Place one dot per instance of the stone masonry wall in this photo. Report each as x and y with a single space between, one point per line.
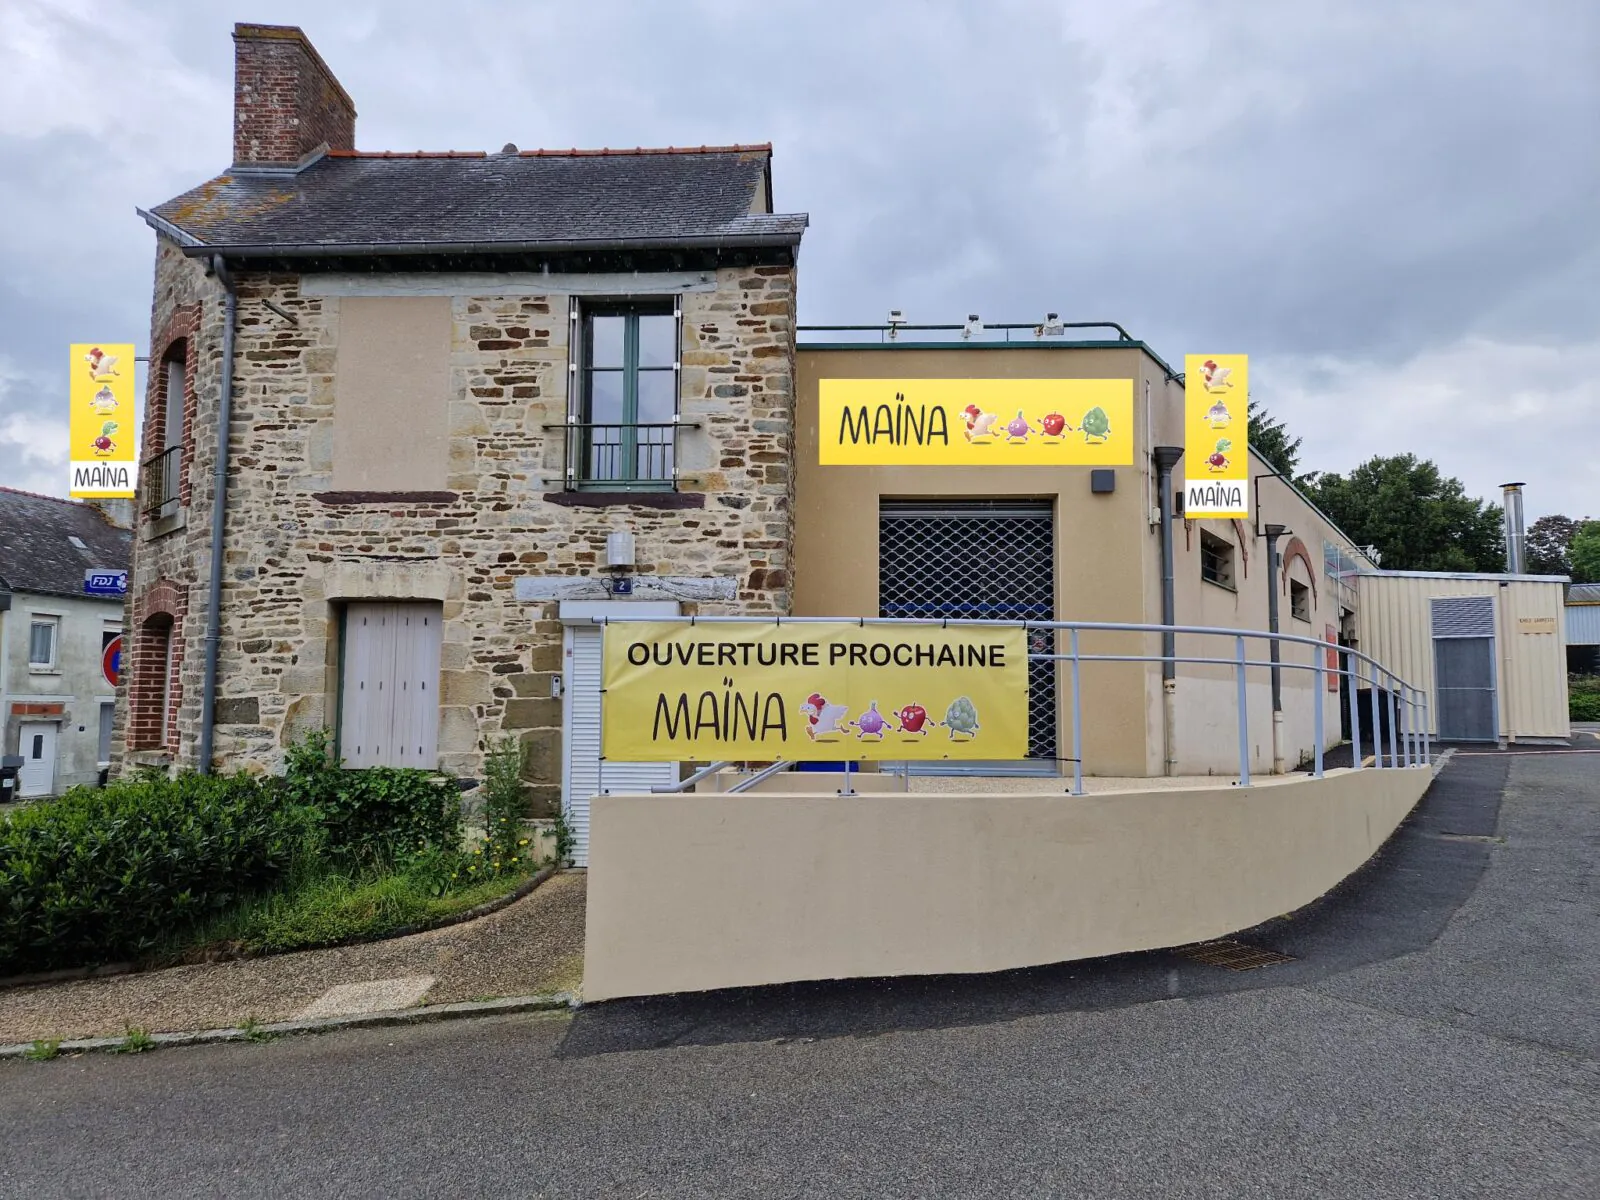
295 550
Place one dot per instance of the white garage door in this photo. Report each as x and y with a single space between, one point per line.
389 706
584 774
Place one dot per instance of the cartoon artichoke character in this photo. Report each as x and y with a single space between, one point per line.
961 717
1096 425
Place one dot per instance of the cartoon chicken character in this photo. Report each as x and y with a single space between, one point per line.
103 445
979 423
822 717
1216 377
1018 429
101 364
1218 461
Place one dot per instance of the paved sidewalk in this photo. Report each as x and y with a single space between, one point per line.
534 945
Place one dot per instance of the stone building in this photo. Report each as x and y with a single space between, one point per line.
472 399
60 633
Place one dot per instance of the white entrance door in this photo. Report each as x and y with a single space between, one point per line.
389 702
586 776
38 745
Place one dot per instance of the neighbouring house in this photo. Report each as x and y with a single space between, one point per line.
1582 614
473 399
59 645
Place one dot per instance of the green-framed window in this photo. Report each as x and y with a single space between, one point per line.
628 396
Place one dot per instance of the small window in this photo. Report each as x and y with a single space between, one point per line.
42 643
1299 601
628 397
1216 560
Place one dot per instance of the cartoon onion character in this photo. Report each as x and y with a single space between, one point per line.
871 722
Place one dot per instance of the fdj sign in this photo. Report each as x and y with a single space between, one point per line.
105 583
824 692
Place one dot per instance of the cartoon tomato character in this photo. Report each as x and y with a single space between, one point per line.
1054 424
913 719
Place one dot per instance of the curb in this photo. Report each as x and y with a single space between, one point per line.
487 908
276 1029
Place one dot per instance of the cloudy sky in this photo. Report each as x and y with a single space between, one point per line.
1391 207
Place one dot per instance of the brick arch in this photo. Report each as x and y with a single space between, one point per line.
155 666
176 339
1297 549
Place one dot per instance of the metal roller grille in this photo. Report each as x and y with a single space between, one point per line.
979 561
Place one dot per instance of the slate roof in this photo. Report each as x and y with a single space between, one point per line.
1583 593
35 555
377 203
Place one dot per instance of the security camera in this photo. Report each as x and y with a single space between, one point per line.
1052 326
973 325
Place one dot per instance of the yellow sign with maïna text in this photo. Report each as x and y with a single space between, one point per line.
976 422
1216 445
100 426
831 691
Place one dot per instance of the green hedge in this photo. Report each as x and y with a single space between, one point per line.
1583 697
108 874
99 874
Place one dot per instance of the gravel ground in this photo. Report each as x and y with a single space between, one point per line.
534 945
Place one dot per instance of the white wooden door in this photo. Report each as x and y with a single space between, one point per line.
586 776
389 704
37 741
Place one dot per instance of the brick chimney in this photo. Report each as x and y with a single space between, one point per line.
286 102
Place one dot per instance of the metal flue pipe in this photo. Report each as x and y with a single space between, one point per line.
1516 534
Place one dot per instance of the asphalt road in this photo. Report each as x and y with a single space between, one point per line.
1438 1035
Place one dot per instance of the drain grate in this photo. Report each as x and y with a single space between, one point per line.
1235 956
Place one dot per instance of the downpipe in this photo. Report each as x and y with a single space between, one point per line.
1274 532
219 508
1166 458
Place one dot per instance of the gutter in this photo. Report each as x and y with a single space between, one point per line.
219 506
162 226
197 249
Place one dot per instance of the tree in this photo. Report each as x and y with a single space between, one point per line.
1586 553
1270 439
1418 519
1548 548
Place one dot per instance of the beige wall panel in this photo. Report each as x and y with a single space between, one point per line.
762 890
391 394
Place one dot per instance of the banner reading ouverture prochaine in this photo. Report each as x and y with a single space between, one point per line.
1216 447
100 426
823 692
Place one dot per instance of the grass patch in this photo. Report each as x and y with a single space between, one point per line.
43 1050
317 909
136 1042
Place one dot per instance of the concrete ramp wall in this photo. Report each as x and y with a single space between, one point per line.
700 891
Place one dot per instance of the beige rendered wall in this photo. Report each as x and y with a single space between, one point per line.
391 394
764 890
1530 659
1100 563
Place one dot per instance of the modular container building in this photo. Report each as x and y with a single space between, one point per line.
1490 650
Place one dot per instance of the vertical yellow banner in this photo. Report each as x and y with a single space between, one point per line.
1216 444
101 426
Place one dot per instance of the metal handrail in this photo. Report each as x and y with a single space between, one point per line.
683 785
1036 326
764 773
1406 705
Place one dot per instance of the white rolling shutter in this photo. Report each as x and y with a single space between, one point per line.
389 710
584 774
